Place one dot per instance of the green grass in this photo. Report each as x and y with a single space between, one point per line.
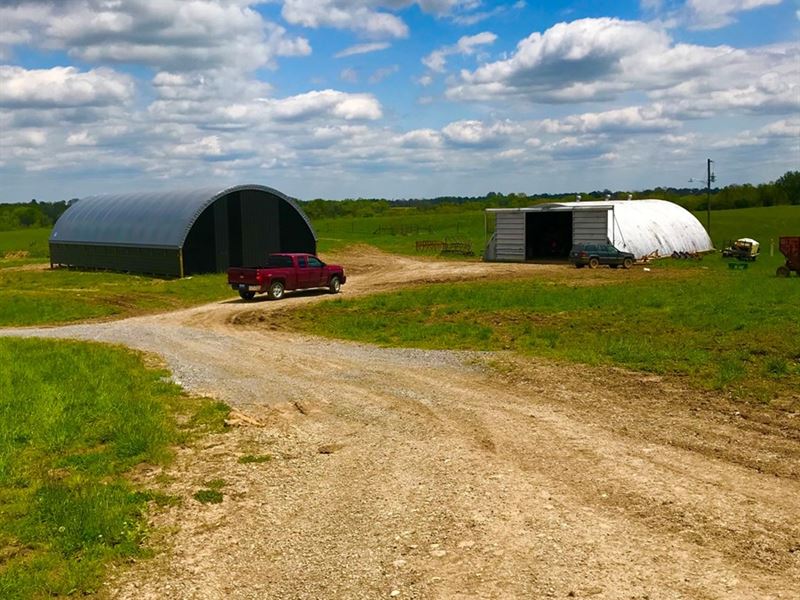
44 296
409 226
36 297
762 224
60 296
74 419
23 246
732 331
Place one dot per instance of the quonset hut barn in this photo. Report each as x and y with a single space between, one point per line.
548 231
180 233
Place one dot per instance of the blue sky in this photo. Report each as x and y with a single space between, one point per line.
394 98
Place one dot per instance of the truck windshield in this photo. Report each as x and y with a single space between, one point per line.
279 261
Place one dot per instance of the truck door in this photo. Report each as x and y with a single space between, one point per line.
316 272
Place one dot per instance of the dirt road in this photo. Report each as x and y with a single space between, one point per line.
417 474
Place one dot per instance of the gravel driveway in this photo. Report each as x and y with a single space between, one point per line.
417 474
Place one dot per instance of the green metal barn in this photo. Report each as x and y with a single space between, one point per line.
179 233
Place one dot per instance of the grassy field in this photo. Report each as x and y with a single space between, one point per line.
74 419
40 296
398 231
763 224
731 331
34 297
23 246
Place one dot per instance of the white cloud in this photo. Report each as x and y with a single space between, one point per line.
478 133
789 128
81 138
632 119
371 18
466 45
420 138
62 87
362 49
172 35
325 102
712 14
601 59
343 14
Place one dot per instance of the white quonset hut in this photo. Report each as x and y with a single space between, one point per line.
548 231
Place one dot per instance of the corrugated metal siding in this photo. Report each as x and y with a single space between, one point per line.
510 235
154 261
590 226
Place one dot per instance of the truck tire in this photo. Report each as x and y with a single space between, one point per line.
627 263
247 295
335 285
276 289
783 271
593 263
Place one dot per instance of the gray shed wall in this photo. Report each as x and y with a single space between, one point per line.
510 236
590 226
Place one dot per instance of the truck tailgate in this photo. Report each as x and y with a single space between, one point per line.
245 275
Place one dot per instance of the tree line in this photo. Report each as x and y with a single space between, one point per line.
31 215
784 190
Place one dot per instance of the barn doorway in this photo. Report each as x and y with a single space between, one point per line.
548 235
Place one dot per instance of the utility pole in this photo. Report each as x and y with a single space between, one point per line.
709 180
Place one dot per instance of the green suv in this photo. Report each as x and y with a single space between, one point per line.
595 255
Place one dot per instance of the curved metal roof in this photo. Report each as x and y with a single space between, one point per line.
646 226
152 219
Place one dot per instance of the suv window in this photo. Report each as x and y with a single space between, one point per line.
314 262
301 262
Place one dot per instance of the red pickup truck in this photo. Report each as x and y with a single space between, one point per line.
285 272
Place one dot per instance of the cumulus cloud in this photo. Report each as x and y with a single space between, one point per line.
62 87
345 14
477 133
170 34
713 14
371 18
601 59
632 119
466 45
316 104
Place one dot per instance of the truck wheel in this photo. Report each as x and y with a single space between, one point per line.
246 295
593 263
783 271
627 263
335 285
276 290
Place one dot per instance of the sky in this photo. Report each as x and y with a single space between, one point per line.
395 98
